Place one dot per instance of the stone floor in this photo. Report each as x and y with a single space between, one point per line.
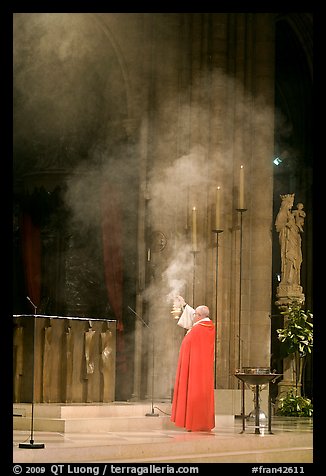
291 441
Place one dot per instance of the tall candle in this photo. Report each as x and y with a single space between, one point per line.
218 209
241 188
194 229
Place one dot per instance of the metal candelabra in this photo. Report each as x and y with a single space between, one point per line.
194 252
217 232
241 211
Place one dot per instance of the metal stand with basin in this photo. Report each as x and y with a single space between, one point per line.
256 376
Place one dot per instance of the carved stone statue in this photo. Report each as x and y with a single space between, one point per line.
47 364
68 343
289 225
89 360
107 365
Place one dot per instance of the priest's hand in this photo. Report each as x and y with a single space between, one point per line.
182 302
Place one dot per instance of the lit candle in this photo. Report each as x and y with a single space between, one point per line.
194 229
218 209
241 188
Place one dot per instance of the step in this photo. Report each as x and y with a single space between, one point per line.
101 418
91 425
227 402
74 410
188 447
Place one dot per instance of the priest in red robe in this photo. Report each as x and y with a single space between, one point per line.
193 405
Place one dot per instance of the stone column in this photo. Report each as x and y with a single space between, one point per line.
289 224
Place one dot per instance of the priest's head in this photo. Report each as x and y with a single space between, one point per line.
201 312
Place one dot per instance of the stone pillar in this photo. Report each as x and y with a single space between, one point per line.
257 147
252 145
144 258
288 380
225 121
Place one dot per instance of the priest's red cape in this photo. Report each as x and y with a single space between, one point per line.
193 396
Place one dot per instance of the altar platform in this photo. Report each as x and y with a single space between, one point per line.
121 432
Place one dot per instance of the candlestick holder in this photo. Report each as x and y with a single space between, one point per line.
217 232
241 211
194 253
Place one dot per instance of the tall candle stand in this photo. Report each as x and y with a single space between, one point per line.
217 232
194 253
241 211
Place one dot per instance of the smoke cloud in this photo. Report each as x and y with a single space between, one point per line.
69 90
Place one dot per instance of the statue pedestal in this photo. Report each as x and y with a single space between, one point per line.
287 293
288 382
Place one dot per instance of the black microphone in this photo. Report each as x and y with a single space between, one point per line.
150 329
31 443
29 299
139 317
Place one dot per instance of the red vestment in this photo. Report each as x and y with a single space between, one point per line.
193 397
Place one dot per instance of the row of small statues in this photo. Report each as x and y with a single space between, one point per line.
106 363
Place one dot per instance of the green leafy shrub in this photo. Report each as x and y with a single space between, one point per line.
297 334
297 337
294 405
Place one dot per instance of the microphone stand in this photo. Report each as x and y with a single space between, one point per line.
31 444
148 327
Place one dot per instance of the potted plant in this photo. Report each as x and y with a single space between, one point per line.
297 341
